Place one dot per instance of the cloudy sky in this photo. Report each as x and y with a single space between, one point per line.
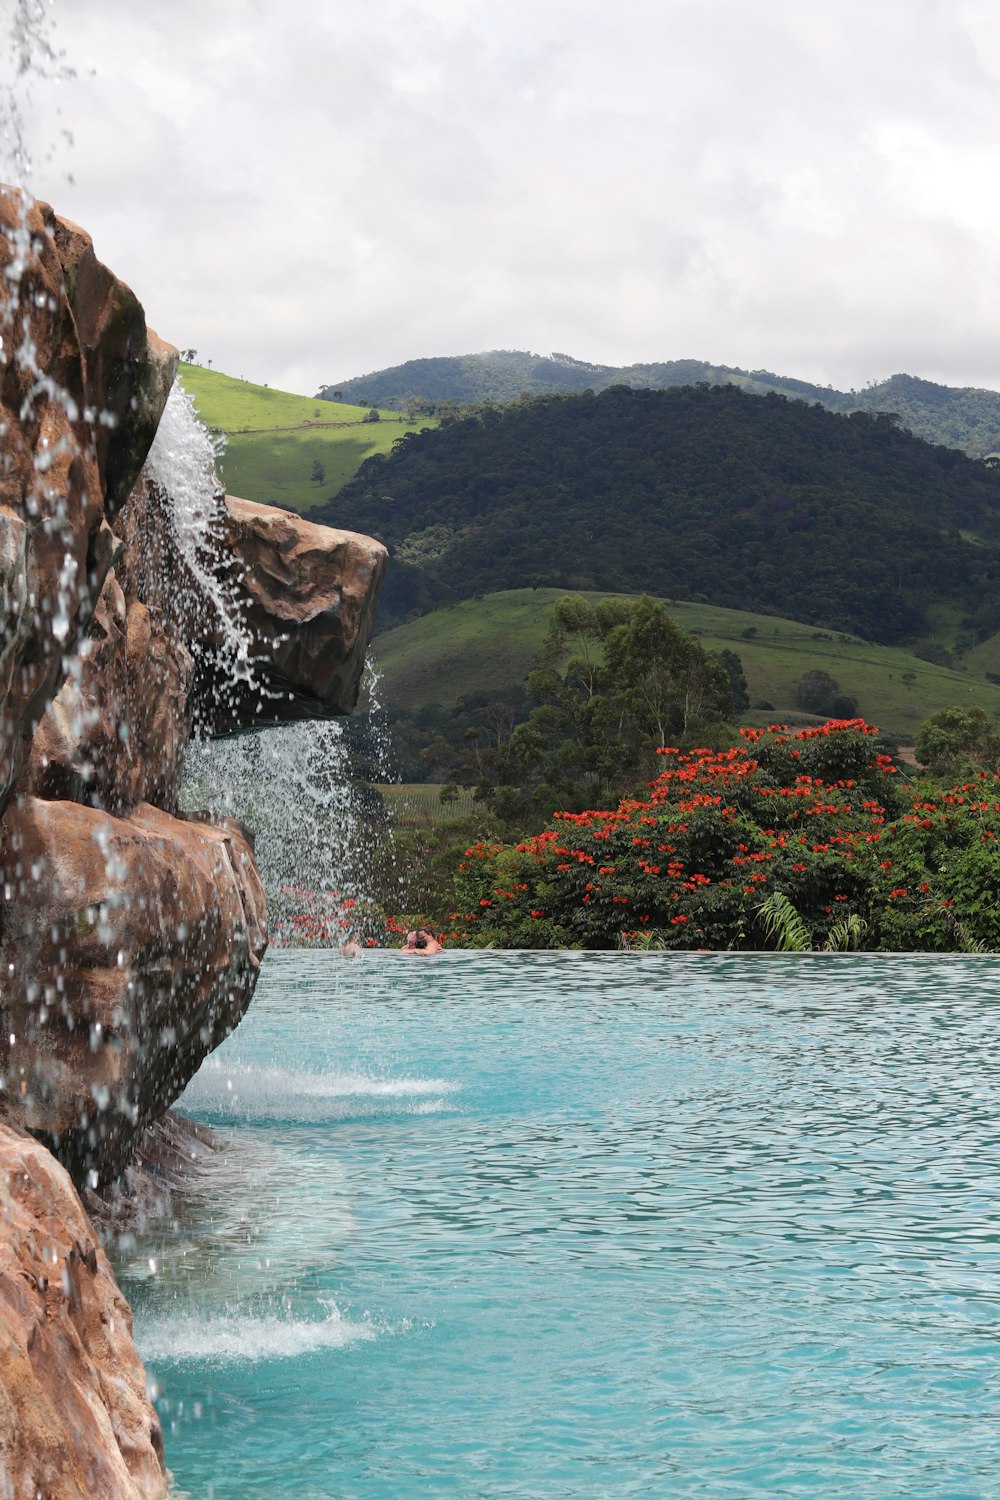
305 190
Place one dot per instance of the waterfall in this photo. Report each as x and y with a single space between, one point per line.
182 464
318 834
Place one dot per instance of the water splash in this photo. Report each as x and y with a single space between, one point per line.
317 833
224 1091
378 737
238 1336
29 55
182 464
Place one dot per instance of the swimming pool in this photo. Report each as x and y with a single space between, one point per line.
552 1225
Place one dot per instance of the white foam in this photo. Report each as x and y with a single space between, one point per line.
182 462
289 1093
231 1338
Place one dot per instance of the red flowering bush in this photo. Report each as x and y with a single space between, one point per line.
820 815
719 831
938 886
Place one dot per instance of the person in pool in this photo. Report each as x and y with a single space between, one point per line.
421 943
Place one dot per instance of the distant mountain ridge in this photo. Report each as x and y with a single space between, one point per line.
702 493
965 417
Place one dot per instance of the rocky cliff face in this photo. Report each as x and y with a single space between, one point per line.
131 935
75 1420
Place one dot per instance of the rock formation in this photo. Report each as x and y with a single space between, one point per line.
131 935
75 1420
82 385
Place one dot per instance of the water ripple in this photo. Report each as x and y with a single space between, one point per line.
655 1225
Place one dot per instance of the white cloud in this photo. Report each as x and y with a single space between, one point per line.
309 190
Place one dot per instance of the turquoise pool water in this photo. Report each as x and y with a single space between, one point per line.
585 1225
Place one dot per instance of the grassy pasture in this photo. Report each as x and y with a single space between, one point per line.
230 405
985 657
276 467
273 438
418 804
492 642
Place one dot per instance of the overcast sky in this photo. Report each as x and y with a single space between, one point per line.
306 190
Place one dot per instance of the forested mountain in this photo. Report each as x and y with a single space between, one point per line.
958 417
761 504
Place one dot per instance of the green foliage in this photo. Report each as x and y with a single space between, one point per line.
490 645
782 925
958 736
788 933
631 680
767 505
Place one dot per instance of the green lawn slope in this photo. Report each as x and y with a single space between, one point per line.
491 643
274 439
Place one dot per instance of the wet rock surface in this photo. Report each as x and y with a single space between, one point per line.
116 990
75 1419
76 348
308 594
131 936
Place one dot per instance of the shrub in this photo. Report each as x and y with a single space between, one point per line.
694 861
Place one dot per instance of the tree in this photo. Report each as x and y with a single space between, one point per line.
663 680
819 693
619 681
318 474
956 735
739 696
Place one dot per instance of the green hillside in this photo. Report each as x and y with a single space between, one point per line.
277 442
490 645
957 417
769 505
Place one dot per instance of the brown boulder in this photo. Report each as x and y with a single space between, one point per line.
127 370
75 350
116 732
130 949
310 596
303 596
75 1419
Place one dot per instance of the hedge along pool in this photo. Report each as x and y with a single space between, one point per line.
551 1225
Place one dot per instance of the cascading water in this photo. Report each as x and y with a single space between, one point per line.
317 834
182 464
31 55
